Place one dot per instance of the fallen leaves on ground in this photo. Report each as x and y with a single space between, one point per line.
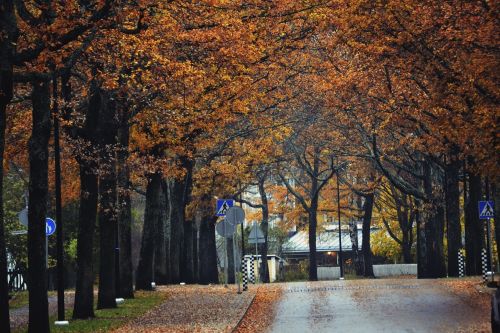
262 311
473 292
200 309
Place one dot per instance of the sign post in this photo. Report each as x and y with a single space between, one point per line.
226 230
236 215
486 212
257 237
50 228
221 207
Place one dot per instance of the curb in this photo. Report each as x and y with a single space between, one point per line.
245 313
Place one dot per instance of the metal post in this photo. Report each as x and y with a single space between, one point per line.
490 254
242 243
118 289
242 229
257 275
341 264
236 279
226 260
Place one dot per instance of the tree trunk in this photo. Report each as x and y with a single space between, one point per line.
188 253
264 268
161 250
186 265
8 26
84 291
125 212
4 287
108 223
37 212
474 233
421 243
353 233
406 248
313 263
365 246
207 251
152 214
176 219
454 232
434 230
195 253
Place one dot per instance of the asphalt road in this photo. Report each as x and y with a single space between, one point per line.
385 305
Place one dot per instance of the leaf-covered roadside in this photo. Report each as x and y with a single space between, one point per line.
477 296
194 308
262 311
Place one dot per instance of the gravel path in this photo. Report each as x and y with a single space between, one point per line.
19 317
194 309
383 305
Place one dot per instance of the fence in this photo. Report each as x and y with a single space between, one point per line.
15 280
332 273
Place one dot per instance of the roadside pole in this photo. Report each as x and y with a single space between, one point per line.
234 216
256 237
235 260
490 252
487 212
226 259
341 263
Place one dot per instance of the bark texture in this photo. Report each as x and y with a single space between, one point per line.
124 212
474 232
37 212
434 264
264 268
8 27
176 219
84 291
108 211
366 246
207 251
161 274
144 275
454 232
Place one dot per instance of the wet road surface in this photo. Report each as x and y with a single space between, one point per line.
385 305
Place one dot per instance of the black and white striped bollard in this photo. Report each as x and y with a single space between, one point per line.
244 273
252 269
484 262
461 264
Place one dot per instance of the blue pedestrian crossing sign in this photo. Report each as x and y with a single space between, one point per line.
50 226
486 209
222 206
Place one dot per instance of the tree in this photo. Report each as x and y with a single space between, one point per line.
314 168
84 293
8 39
152 214
395 205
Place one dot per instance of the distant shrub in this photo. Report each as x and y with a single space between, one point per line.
297 272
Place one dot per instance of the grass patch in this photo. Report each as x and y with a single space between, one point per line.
18 300
21 298
108 319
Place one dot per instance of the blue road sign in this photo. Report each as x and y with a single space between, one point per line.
222 206
50 226
486 209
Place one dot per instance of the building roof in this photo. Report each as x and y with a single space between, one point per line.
325 241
